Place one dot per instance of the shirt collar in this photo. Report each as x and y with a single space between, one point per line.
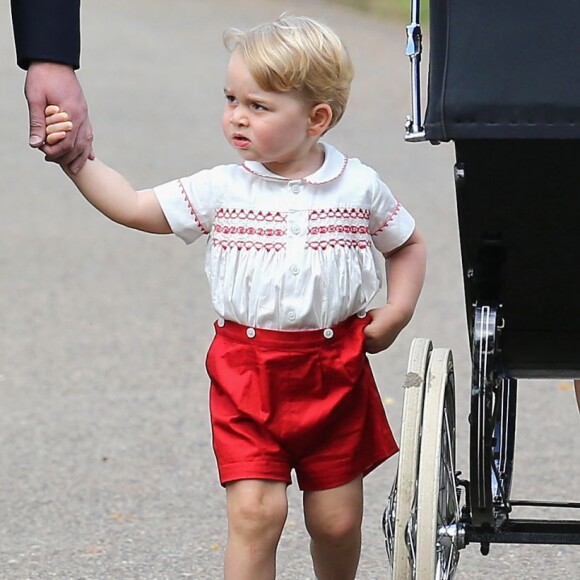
332 168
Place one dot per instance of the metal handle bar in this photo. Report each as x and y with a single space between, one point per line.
414 130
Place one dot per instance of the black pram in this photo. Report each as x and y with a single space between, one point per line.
504 86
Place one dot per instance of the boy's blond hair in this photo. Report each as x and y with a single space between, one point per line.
296 53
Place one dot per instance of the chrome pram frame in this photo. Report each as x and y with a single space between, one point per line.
432 513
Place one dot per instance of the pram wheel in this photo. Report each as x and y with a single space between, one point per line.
504 435
493 416
402 499
440 535
482 386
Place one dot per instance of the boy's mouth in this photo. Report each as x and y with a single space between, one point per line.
240 141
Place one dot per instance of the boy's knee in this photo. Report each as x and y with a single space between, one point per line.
337 529
257 514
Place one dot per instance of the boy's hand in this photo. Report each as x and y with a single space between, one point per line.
58 124
386 324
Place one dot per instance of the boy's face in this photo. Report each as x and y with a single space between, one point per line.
264 126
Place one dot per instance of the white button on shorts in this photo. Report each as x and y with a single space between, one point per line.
221 322
251 332
328 333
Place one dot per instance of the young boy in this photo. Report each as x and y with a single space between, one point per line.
291 261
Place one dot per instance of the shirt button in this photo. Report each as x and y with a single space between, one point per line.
221 322
328 333
295 270
291 315
295 229
295 188
251 332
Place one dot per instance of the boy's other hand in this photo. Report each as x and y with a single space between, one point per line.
385 325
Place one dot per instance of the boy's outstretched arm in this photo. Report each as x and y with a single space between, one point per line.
107 190
405 276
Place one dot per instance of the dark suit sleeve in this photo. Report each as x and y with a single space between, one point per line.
47 30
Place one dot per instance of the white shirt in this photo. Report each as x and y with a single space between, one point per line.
287 254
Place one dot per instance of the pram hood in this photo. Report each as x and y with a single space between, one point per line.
503 70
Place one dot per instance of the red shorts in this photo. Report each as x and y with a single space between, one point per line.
303 400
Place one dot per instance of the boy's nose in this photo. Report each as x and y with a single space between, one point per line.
238 117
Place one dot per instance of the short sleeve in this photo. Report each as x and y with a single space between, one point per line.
188 204
391 224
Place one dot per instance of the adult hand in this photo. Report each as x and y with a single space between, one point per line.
49 83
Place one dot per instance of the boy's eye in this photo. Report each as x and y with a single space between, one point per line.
258 107
230 98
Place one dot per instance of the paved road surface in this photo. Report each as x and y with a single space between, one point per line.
106 470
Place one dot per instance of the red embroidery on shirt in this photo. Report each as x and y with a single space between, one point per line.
191 208
272 177
243 229
339 227
245 214
334 242
389 219
248 245
340 172
340 213
304 180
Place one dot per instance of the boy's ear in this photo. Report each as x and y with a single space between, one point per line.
320 118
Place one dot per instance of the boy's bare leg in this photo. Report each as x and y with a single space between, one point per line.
257 512
333 519
577 389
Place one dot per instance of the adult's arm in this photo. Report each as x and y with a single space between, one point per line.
47 30
47 39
